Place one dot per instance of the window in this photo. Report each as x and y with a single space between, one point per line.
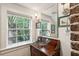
44 28
18 28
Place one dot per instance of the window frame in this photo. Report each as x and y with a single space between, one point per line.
23 42
48 28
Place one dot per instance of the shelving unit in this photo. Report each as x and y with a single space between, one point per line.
74 26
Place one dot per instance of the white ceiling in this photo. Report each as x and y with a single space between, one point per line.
47 8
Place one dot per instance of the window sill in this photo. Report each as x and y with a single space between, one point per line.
16 45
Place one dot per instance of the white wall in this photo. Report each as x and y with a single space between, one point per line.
0 25
23 50
64 38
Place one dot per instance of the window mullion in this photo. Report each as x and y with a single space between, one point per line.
16 33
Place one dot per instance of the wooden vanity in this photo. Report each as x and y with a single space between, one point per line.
50 49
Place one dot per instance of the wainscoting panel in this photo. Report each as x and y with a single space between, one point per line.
17 51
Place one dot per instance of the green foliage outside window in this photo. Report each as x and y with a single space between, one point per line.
21 25
43 28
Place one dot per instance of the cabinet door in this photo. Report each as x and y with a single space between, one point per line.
42 54
34 51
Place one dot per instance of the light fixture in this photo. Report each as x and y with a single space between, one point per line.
37 17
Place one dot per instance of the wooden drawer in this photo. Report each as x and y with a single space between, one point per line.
34 51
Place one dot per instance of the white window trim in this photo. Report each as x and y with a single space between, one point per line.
19 43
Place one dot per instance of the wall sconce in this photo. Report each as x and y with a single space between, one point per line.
37 17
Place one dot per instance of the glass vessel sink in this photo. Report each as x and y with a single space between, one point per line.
43 43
